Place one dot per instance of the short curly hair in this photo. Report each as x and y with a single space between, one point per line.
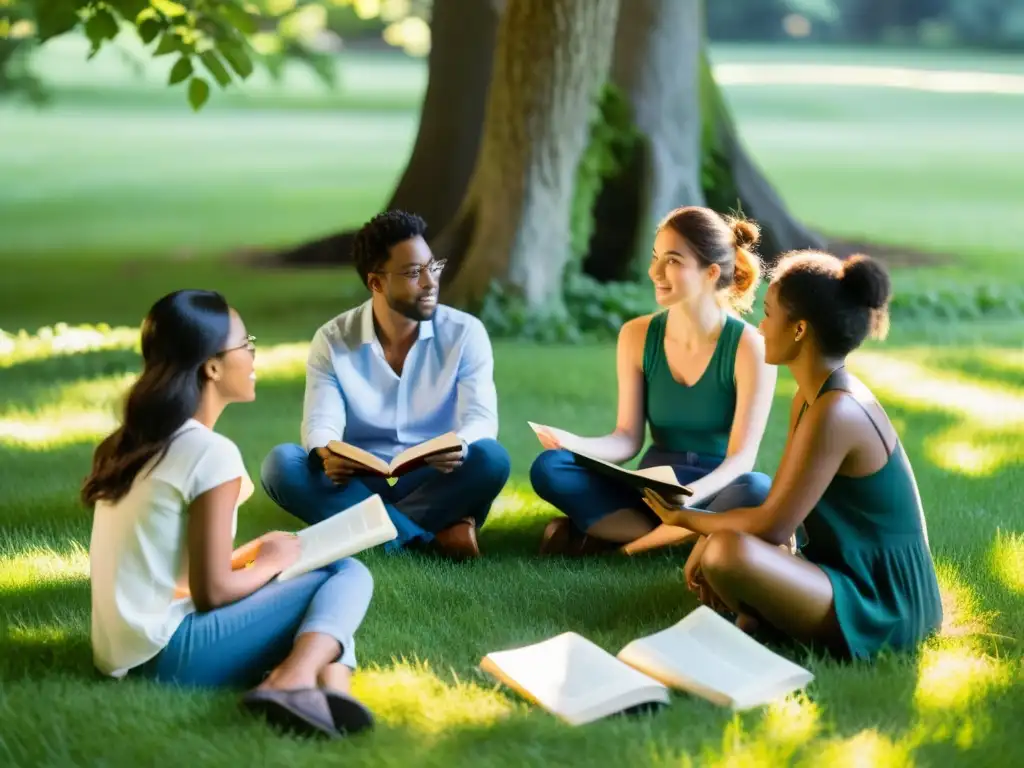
375 238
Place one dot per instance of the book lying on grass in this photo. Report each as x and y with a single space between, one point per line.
661 480
406 461
703 654
351 531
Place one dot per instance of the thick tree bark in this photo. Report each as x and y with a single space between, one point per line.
463 35
656 65
551 59
745 186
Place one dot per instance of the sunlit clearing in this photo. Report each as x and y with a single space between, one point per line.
54 427
973 453
62 339
1006 558
911 384
412 696
868 749
989 435
792 720
37 566
939 81
957 677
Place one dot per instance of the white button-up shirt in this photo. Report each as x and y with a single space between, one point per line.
353 394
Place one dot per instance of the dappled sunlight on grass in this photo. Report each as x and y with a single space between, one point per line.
785 727
989 432
957 678
867 749
961 612
1006 559
410 695
282 362
38 565
62 339
52 428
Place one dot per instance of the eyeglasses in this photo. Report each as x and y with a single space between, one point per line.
250 344
415 273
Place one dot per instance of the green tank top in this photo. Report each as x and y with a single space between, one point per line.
868 534
694 418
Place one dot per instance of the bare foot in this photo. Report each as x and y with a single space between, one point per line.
284 679
337 677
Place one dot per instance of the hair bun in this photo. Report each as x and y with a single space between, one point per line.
746 232
865 281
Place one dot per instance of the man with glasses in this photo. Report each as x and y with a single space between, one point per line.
387 375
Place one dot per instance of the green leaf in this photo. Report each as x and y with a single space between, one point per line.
169 8
129 9
55 17
198 92
213 64
170 43
242 20
236 56
101 26
149 29
181 70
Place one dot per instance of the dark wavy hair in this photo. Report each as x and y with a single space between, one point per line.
181 332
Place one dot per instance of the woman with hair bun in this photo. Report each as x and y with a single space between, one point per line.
865 580
695 373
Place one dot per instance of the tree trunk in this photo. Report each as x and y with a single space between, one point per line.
656 65
739 183
463 34
551 59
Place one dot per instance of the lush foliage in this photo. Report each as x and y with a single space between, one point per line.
212 41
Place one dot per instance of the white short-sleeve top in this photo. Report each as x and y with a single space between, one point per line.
138 551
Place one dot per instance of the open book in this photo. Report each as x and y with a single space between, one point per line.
407 460
703 654
360 527
662 480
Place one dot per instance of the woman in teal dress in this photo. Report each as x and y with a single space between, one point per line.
865 580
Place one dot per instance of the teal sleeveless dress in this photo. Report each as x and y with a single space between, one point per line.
869 536
693 419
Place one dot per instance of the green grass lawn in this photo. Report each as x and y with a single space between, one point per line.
94 232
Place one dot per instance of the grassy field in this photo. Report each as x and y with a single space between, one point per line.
119 195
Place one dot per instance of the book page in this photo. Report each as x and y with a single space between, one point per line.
708 655
567 439
358 455
664 474
360 527
573 678
449 441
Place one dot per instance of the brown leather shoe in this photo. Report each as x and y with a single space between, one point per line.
561 537
458 541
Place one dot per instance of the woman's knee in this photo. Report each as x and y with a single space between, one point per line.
748 490
726 552
545 472
354 572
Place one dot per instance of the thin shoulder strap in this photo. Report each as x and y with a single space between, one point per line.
839 381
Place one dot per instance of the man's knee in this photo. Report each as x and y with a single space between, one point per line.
545 470
489 463
283 469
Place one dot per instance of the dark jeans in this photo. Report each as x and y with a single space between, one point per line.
420 504
585 496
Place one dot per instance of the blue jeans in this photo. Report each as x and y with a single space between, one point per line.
586 497
238 644
420 504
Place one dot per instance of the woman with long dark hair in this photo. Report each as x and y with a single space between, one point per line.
172 601
864 581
